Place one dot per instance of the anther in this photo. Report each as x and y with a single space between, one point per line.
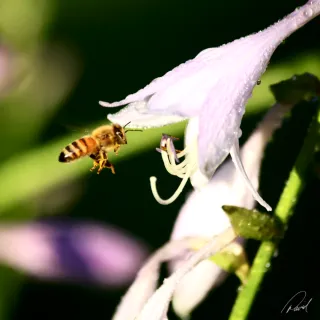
170 157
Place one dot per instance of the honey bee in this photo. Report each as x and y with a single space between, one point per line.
102 140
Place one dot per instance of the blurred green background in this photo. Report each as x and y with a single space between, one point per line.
61 58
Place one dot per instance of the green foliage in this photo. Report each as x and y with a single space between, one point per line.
233 259
300 87
285 207
252 224
67 55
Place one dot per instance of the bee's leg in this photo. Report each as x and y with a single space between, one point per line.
105 163
110 166
116 149
96 158
103 158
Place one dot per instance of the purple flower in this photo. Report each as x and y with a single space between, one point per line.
211 90
76 251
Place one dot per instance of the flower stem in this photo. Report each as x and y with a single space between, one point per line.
283 211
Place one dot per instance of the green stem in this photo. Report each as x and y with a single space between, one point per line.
284 210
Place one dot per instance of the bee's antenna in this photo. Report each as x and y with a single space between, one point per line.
126 124
131 129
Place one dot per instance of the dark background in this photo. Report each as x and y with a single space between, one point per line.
118 47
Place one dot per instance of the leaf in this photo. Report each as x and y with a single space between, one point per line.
234 260
254 225
300 87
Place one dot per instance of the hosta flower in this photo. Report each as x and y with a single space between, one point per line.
156 307
146 281
134 306
200 219
212 90
202 214
76 251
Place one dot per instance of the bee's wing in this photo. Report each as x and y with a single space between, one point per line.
75 128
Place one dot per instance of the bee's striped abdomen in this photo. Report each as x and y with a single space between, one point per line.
77 149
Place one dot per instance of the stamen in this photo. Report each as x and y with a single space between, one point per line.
182 170
182 153
155 193
169 167
172 154
169 156
166 141
178 169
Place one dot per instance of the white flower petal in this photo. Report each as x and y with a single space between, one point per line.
157 306
137 295
200 279
197 179
235 155
158 84
201 215
139 117
215 86
241 66
186 96
146 281
246 60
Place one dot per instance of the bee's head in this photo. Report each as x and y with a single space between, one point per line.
120 134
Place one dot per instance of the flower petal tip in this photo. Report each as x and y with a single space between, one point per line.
104 104
112 104
235 156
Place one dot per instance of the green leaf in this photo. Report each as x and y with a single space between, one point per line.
253 224
234 260
300 87
284 210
